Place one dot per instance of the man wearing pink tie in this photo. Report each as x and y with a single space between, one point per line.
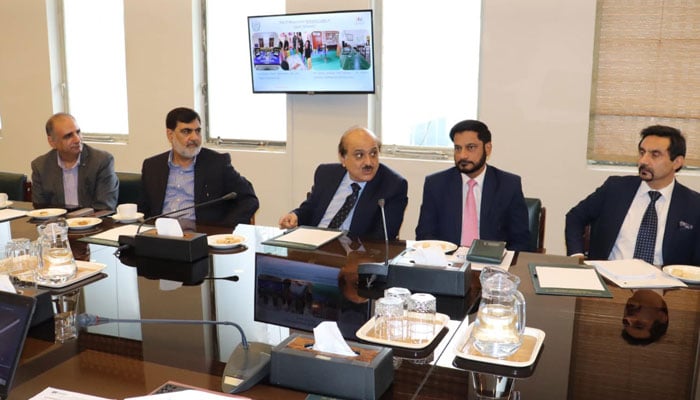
473 200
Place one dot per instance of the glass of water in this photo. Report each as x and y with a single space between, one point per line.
21 262
421 317
388 318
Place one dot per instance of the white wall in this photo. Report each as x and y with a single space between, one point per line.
536 67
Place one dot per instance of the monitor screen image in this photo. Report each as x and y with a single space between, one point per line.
329 52
301 295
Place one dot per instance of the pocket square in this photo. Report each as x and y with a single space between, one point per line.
685 225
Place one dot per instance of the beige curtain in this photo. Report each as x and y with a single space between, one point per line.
646 72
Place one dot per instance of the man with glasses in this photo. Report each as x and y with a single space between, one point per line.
73 174
473 200
346 195
190 174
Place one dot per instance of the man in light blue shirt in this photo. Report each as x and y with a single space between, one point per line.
73 174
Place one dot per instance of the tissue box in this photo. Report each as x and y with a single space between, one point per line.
436 280
190 247
296 365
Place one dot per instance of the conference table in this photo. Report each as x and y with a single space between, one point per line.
584 354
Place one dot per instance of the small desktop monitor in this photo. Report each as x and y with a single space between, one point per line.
300 295
315 53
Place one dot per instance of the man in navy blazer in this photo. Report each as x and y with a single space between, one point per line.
615 210
358 152
502 213
189 174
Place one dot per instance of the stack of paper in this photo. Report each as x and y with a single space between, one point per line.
635 274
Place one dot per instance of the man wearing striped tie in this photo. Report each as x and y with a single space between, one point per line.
346 195
650 216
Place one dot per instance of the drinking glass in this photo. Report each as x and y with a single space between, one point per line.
21 262
421 317
388 318
403 294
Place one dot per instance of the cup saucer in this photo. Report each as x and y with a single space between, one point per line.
126 220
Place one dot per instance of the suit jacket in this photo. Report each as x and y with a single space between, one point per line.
98 186
367 218
606 208
503 214
214 176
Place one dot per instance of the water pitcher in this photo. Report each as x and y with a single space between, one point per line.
56 264
500 322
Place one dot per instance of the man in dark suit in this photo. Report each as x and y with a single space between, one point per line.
358 183
189 174
498 210
615 211
73 173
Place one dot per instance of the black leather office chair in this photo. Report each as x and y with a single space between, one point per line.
537 215
129 187
14 185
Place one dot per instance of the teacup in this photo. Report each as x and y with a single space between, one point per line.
127 210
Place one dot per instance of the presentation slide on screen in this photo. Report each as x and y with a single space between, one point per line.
325 52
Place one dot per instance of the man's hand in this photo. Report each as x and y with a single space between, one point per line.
289 221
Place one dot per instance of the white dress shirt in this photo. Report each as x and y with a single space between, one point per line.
627 238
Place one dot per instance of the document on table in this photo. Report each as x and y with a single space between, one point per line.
304 237
51 393
635 274
188 394
567 280
9 213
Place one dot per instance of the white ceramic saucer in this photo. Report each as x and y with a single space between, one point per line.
127 220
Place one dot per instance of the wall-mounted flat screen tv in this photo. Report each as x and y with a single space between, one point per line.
329 52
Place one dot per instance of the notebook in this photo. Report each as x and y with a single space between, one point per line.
15 315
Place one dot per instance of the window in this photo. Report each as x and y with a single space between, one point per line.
95 65
646 73
260 117
430 54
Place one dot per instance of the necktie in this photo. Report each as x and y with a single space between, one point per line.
470 226
646 237
345 209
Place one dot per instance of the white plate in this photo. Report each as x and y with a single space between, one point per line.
7 204
366 333
225 241
442 245
525 356
86 269
46 213
127 220
686 273
82 223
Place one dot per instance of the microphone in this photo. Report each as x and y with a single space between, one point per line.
248 364
377 270
228 196
191 247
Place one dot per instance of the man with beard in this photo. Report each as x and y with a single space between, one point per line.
650 216
346 195
473 200
189 174
73 174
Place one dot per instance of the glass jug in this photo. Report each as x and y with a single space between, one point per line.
56 264
500 321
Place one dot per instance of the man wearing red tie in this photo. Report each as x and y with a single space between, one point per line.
473 200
